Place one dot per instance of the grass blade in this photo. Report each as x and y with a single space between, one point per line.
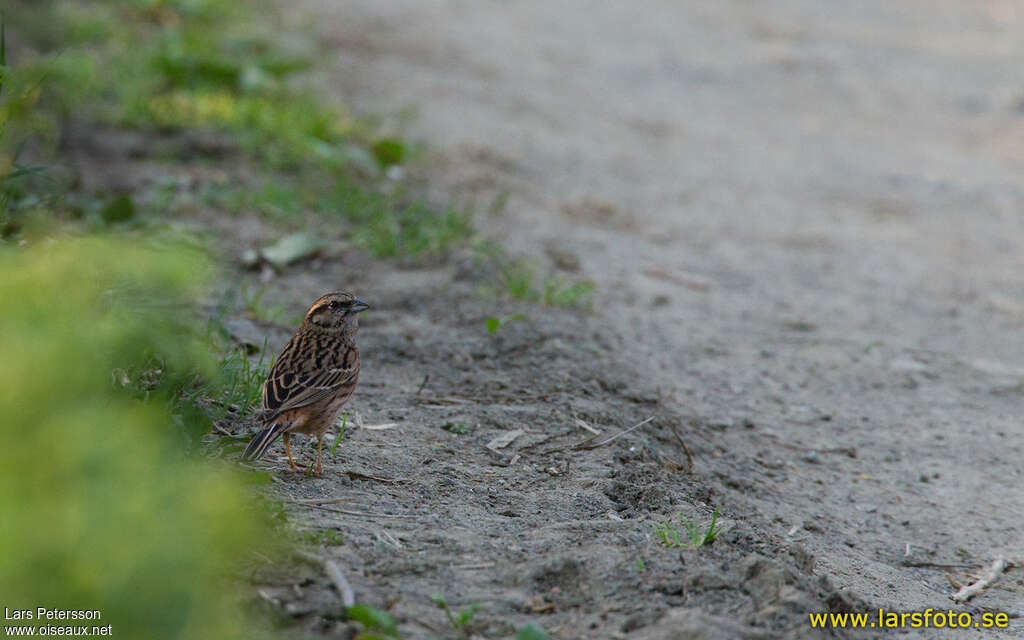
341 433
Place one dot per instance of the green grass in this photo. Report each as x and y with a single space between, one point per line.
459 619
519 279
495 324
239 382
276 200
692 534
164 66
19 121
516 278
459 428
392 224
327 537
560 292
341 433
531 632
377 624
254 304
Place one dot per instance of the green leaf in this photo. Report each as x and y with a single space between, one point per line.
389 151
119 209
373 619
531 632
3 48
493 324
291 248
466 614
341 433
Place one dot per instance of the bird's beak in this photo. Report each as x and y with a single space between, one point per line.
358 305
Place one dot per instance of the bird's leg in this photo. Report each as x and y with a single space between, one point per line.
319 449
288 450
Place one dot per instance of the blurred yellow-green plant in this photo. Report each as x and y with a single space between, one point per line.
101 508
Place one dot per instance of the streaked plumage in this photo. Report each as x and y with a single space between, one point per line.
313 377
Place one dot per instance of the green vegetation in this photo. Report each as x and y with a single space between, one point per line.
260 310
559 292
494 324
460 619
101 510
107 379
327 537
377 624
169 67
341 433
696 534
393 225
237 386
459 428
19 94
518 279
531 632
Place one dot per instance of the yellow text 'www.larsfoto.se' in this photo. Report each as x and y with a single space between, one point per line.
927 619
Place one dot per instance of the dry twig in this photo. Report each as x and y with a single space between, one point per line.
356 475
365 514
584 425
991 575
426 379
380 427
686 450
348 598
935 565
503 440
597 441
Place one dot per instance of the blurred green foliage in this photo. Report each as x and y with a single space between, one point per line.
101 509
531 632
19 119
167 66
377 624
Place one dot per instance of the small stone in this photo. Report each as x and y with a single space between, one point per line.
250 258
641 620
563 258
719 424
802 558
708 580
291 248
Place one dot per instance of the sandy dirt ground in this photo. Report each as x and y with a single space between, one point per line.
805 222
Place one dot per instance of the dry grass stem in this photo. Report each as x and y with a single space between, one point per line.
991 574
348 597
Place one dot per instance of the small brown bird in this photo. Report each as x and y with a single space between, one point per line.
313 377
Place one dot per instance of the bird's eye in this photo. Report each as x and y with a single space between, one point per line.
334 304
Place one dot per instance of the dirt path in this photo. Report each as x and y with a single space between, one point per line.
805 223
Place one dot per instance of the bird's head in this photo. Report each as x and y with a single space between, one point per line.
335 311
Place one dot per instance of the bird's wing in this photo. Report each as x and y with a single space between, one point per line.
299 379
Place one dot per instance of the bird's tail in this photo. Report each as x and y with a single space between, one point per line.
262 441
